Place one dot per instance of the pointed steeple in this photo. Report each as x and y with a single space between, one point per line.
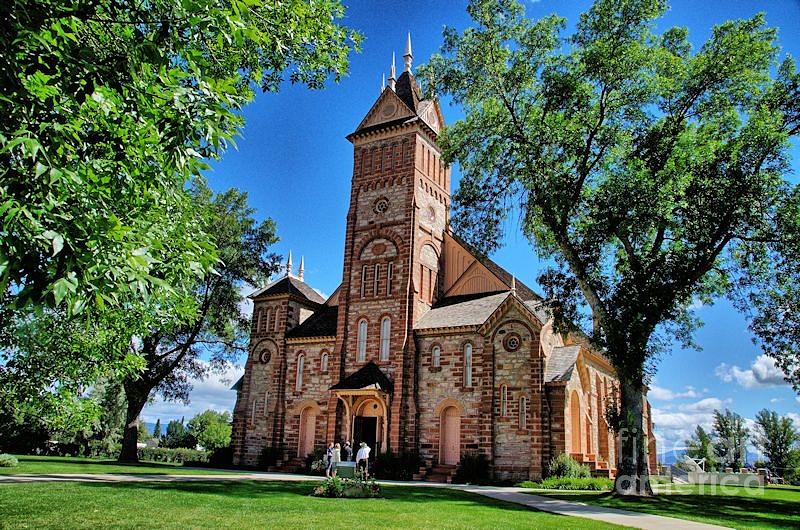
302 268
289 264
513 285
407 57
383 82
392 75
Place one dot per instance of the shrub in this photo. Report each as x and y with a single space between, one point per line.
269 457
175 455
7 460
221 457
397 466
563 466
315 463
555 483
473 469
356 488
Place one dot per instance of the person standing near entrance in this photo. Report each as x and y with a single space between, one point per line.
337 457
328 460
362 459
348 452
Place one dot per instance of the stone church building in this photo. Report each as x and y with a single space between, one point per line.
425 346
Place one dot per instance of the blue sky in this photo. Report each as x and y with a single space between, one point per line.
295 163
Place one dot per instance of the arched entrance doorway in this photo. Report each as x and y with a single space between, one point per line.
575 422
368 425
308 422
450 436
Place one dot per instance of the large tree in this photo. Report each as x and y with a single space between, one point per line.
731 436
777 437
173 348
110 106
636 165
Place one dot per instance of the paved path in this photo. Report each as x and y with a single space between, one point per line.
515 495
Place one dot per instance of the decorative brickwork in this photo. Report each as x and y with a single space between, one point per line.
425 346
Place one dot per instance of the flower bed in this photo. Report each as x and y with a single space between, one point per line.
347 488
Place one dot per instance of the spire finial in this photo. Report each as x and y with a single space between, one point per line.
289 264
408 56
302 268
383 82
514 285
392 74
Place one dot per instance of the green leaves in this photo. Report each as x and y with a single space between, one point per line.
111 110
634 163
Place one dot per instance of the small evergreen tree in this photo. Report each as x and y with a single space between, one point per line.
700 445
157 429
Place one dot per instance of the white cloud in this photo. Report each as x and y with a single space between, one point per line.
761 374
795 418
705 405
776 400
212 393
665 394
674 428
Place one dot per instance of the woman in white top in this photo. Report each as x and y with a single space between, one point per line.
336 458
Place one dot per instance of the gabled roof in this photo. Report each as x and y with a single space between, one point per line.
369 376
320 324
408 91
470 312
561 363
523 291
238 385
290 285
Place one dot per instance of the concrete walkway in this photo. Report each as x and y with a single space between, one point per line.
515 495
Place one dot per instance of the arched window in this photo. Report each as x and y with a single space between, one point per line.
277 319
386 328
523 413
323 363
265 321
362 340
257 327
389 274
301 361
376 280
363 281
468 365
436 356
266 403
270 323
503 400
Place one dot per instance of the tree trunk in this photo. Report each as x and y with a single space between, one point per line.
633 476
130 437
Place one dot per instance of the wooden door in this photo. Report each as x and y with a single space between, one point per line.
575 417
450 436
308 422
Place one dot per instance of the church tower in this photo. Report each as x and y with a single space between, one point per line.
399 200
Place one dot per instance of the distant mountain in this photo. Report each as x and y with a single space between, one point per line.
671 457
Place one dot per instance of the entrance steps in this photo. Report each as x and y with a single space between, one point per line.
598 467
441 473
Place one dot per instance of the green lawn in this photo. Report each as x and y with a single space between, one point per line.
43 465
251 504
735 507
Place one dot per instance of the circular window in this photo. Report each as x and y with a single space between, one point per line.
512 342
381 205
389 109
266 355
